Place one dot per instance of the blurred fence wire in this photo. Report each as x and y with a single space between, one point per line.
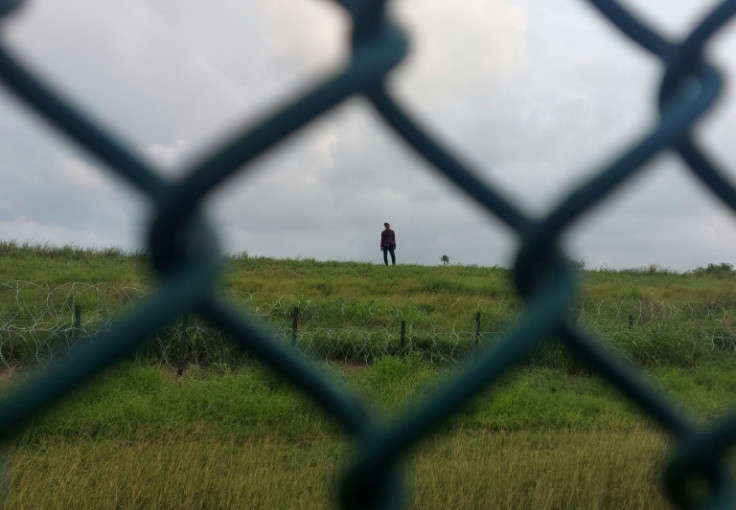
185 255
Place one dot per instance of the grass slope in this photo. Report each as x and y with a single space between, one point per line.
553 435
650 315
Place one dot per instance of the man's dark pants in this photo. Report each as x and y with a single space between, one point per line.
386 251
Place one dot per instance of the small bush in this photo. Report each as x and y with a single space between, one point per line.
722 270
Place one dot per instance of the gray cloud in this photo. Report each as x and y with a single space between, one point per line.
537 97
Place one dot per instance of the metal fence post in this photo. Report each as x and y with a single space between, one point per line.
77 320
477 329
294 325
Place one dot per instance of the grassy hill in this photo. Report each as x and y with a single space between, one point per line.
227 435
651 315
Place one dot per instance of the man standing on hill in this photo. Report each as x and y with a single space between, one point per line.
388 244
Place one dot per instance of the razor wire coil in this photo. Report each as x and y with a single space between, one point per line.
184 253
42 321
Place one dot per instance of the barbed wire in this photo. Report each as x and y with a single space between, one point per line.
40 321
184 252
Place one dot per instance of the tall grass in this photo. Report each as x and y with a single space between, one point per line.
524 469
142 438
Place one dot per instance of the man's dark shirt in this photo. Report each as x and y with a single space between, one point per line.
388 238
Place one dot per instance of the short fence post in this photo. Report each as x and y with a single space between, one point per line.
183 334
77 321
477 329
294 325
403 336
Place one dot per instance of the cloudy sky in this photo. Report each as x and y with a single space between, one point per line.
536 95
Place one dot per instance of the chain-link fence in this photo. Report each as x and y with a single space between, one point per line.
184 252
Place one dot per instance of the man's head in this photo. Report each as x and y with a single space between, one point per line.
387 225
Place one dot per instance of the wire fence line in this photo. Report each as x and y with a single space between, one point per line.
40 321
184 253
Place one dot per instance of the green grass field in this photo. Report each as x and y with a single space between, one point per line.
234 435
141 438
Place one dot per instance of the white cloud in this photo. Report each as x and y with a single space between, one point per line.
80 173
168 157
27 230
